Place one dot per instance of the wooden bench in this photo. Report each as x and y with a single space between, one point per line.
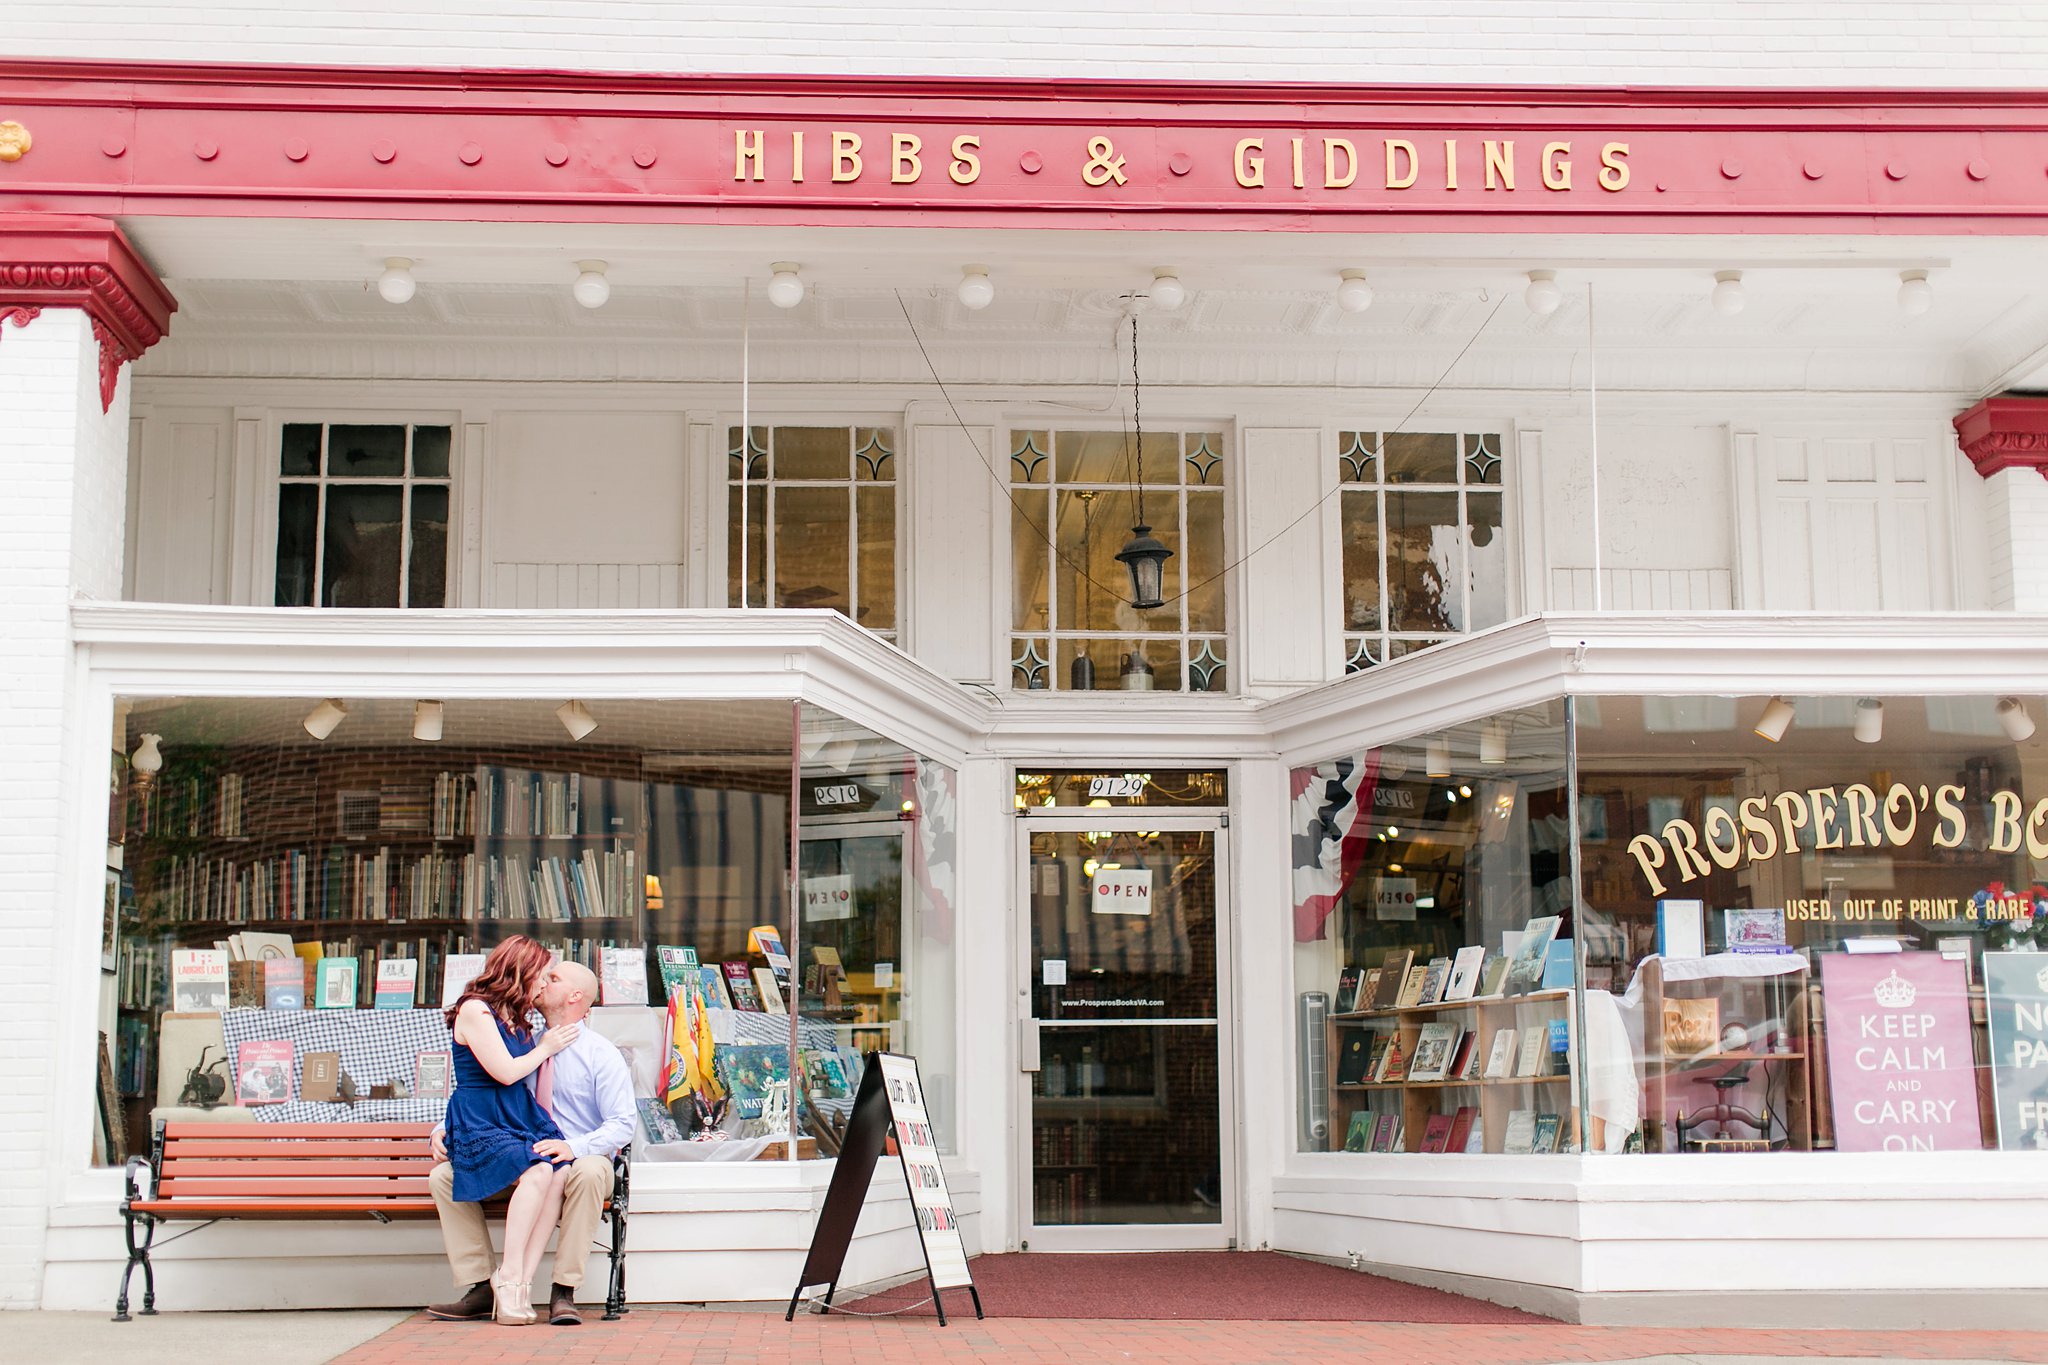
206 1172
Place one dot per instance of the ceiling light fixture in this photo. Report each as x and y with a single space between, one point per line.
576 719
426 720
1727 296
785 285
1167 292
1869 727
321 720
1143 554
591 288
975 291
1493 742
1437 757
396 284
1354 295
1775 721
1543 296
1916 295
2014 720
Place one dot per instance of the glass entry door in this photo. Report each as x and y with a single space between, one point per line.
855 905
1129 1143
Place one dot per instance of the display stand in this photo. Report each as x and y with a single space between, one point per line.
890 1100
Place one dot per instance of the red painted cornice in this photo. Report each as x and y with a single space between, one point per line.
67 261
142 138
2006 433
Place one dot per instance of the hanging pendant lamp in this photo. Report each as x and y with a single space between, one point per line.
1145 556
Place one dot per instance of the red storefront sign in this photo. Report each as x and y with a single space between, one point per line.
134 138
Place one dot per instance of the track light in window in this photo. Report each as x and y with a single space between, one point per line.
575 718
396 284
975 292
426 720
1775 721
1869 720
2014 720
1437 756
1493 743
321 720
591 288
785 285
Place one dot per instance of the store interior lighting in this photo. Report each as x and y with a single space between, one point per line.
426 720
2014 720
321 720
1354 295
576 719
1493 743
1437 757
591 288
1916 295
975 291
147 761
1727 296
1167 292
1543 296
785 285
396 284
1775 721
1869 726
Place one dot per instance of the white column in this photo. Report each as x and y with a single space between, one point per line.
63 495
2016 538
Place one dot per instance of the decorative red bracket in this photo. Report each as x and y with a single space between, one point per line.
2006 433
68 261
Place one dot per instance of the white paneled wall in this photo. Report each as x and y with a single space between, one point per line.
1855 521
1711 589
547 587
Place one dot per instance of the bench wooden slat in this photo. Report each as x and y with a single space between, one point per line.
204 1187
286 1148
301 1207
307 1168
297 1132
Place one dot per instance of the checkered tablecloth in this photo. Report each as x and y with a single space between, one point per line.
375 1046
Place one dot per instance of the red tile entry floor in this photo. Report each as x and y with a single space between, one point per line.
1211 1286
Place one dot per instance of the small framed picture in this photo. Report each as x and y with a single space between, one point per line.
110 922
1593 819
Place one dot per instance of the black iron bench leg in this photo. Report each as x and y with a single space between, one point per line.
138 1254
615 1289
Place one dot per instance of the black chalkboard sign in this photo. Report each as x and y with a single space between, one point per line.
890 1099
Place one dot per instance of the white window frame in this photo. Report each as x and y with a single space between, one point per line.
275 480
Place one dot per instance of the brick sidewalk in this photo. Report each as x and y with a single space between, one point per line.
707 1338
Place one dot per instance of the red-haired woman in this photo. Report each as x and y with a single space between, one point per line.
494 1120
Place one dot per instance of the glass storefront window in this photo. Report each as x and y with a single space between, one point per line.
1813 923
374 866
1419 869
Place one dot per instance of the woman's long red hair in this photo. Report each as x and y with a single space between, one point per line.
511 978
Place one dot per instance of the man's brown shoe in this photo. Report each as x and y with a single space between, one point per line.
562 1306
475 1306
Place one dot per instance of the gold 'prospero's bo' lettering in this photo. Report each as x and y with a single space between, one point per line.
1759 828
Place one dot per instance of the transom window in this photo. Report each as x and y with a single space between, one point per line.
362 515
1424 557
1073 627
819 522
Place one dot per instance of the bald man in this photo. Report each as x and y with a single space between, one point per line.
591 1098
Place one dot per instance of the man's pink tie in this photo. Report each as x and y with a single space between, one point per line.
544 1085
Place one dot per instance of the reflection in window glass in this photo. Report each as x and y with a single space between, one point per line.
1078 593
1424 557
1813 924
369 528
820 521
1418 869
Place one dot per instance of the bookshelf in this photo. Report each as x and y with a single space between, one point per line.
1495 1099
1759 1095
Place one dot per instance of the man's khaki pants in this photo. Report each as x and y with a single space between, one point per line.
469 1240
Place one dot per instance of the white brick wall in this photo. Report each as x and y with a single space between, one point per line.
62 476
2016 531
1880 43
